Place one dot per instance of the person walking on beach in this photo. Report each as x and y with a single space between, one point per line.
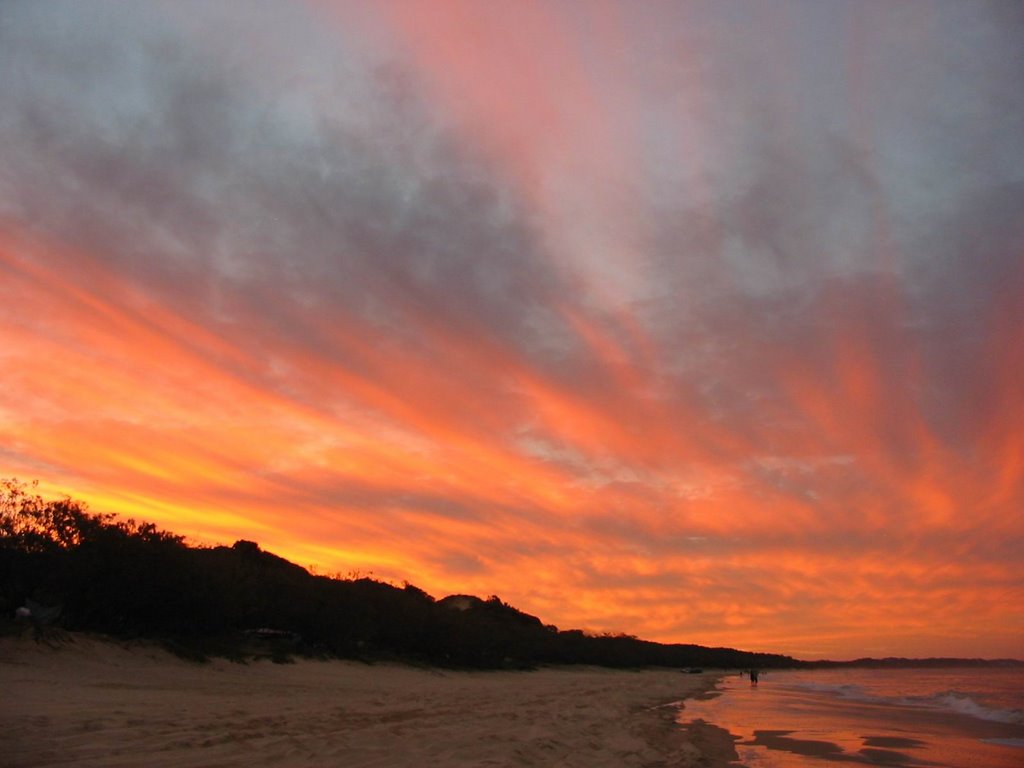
753 676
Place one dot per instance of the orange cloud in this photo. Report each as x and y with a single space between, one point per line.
581 309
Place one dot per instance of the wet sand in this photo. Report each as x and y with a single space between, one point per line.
863 716
91 702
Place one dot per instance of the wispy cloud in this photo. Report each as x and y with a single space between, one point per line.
696 321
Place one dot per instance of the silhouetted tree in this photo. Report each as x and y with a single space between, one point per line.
133 579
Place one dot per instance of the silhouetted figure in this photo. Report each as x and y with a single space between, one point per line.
753 676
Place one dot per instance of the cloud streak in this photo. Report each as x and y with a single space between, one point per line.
694 321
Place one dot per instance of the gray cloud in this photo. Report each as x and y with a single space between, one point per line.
182 168
868 183
822 196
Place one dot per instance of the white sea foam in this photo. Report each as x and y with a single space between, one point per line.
845 690
951 700
965 705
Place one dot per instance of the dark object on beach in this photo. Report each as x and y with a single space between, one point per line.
39 615
41 618
753 676
695 670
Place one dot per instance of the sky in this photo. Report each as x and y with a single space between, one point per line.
698 321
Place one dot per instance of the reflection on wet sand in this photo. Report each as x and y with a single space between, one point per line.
870 753
781 740
881 750
889 757
893 742
863 717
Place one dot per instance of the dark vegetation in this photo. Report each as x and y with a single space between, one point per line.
129 580
133 580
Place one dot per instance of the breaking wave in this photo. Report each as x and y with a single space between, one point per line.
965 705
951 701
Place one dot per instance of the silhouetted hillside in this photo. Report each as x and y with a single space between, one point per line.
903 663
132 580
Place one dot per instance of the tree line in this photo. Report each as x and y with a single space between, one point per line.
133 580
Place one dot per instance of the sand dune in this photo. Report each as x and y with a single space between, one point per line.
94 703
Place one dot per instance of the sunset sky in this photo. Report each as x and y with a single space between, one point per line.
701 321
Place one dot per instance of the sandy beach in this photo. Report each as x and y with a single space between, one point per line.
89 702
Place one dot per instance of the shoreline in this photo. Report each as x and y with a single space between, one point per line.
957 717
93 702
715 744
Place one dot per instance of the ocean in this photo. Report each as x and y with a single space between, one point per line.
954 717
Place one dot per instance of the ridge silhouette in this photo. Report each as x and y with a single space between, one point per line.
133 580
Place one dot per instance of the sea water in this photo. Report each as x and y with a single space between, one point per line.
953 717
